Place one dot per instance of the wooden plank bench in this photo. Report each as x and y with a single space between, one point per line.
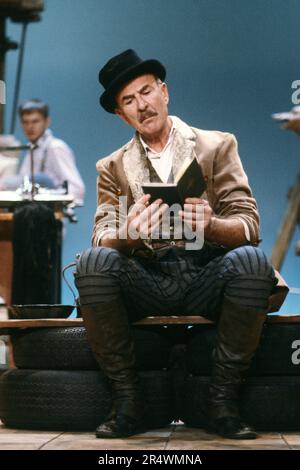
7 326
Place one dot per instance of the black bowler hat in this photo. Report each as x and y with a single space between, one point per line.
120 70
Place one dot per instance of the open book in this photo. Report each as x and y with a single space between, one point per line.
189 182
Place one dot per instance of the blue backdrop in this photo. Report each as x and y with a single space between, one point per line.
230 64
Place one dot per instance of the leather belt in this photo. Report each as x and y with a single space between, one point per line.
158 248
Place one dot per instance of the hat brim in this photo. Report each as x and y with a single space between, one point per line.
283 116
289 115
107 99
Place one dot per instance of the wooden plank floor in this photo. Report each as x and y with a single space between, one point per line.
174 437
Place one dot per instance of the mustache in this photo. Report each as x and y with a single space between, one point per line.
146 115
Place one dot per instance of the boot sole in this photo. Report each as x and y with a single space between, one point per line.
246 436
116 435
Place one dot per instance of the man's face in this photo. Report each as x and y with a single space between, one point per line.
34 125
143 104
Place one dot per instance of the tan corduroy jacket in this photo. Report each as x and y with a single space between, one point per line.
228 191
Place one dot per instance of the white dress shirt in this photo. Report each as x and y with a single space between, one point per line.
161 161
55 158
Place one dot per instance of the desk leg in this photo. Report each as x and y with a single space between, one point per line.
6 260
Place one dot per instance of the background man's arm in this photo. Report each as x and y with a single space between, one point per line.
62 165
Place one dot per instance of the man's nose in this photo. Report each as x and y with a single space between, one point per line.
141 103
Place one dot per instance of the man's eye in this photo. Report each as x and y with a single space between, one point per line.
126 102
146 92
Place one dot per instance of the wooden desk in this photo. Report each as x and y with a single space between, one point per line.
6 255
8 201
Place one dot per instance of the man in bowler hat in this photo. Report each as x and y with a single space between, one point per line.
128 275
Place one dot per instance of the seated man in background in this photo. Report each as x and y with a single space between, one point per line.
54 161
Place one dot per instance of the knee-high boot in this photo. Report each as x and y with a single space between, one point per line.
239 331
110 339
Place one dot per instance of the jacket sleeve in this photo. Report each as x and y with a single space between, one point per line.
232 193
110 211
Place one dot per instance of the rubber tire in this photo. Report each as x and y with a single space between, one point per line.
273 357
68 349
266 403
73 400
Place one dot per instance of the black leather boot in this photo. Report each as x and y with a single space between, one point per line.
109 336
239 331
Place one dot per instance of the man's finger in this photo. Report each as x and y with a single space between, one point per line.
140 205
158 215
144 198
190 218
153 220
195 200
150 210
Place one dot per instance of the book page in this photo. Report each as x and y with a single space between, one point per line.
183 168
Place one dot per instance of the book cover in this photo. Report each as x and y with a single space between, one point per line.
189 182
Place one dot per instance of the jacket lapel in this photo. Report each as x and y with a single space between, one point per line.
183 144
136 167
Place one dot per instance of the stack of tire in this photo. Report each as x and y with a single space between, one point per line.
270 395
57 384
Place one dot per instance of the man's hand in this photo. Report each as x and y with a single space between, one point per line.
142 221
198 220
226 232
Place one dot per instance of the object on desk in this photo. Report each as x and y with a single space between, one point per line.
13 198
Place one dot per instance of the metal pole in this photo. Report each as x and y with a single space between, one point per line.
2 66
18 79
